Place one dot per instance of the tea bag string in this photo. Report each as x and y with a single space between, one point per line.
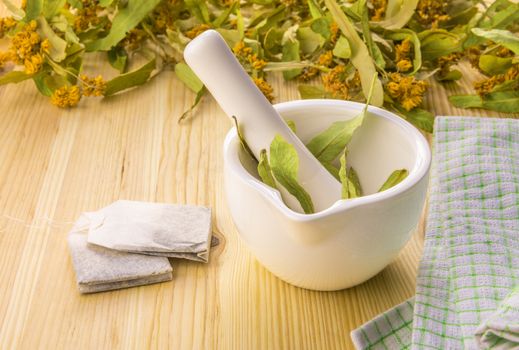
36 223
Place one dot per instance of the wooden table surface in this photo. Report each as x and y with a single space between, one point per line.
56 164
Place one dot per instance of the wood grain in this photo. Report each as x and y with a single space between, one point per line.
55 164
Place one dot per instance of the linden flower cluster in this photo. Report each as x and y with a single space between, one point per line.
337 83
485 87
69 96
407 90
247 57
403 56
254 64
27 49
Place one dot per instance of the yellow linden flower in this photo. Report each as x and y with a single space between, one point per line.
379 9
6 24
33 64
486 86
404 65
45 46
432 12
265 88
66 96
93 86
28 49
336 82
334 30
4 58
197 30
407 90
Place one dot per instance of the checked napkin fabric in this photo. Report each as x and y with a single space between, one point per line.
467 294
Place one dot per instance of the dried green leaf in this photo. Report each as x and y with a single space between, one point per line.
420 118
17 12
265 171
46 82
118 58
354 178
315 10
398 14
52 7
14 77
58 46
198 9
188 77
291 53
327 145
453 74
500 101
342 48
321 26
360 55
33 9
309 40
349 190
125 19
105 3
502 37
284 163
198 98
222 18
373 49
312 92
284 66
243 142
394 179
493 65
130 79
292 125
437 43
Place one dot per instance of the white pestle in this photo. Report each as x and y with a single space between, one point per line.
213 62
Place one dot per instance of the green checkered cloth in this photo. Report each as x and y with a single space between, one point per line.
470 262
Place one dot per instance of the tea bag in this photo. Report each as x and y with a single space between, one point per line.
99 269
169 230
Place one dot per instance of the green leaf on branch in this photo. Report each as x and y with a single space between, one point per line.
130 79
284 163
125 19
360 57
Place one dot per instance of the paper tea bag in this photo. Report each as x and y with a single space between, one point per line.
99 269
171 230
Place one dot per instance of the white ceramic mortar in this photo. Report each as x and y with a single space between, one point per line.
352 240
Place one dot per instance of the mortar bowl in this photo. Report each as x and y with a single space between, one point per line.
354 239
